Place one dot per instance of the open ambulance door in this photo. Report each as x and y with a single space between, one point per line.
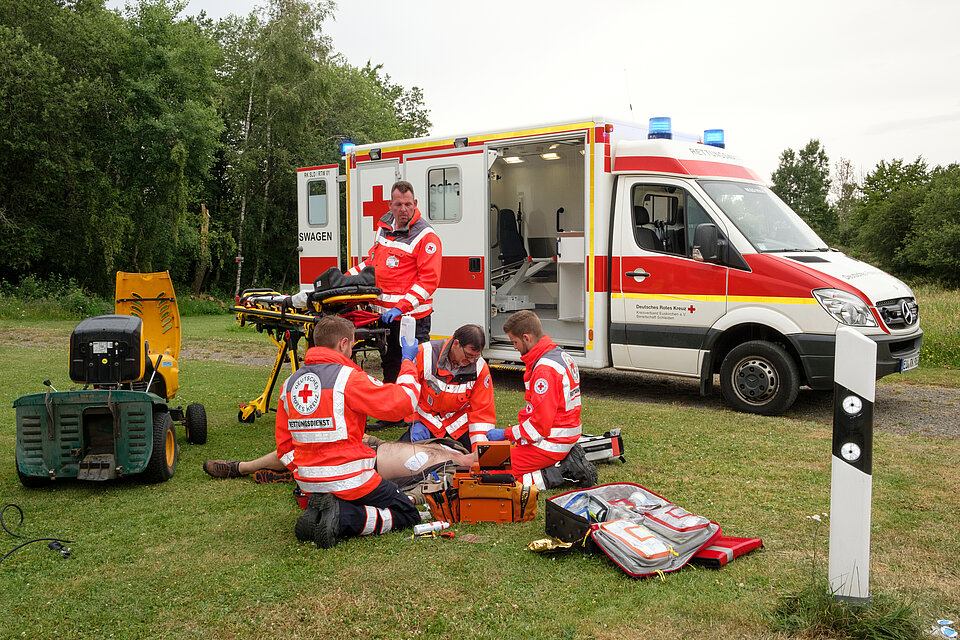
451 189
318 221
663 302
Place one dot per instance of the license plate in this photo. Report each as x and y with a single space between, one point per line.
909 363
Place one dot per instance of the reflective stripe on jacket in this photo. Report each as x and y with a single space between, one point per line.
454 401
551 419
407 264
321 418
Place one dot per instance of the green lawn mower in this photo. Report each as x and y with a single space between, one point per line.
120 422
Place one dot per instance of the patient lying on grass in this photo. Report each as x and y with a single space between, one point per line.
395 461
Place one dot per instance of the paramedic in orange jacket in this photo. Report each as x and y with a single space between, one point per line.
546 452
407 257
321 417
456 392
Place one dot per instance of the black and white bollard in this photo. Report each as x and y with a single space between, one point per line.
851 482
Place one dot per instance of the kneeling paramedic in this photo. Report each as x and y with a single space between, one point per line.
321 418
546 452
456 393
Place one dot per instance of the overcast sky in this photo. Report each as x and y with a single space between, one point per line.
871 80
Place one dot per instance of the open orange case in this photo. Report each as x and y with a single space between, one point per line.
487 492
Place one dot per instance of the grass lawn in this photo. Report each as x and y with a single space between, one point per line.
196 557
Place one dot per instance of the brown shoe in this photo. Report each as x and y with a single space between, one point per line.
269 476
222 468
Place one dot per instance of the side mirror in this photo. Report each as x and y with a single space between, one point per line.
706 243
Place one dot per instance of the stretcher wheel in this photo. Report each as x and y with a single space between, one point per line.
166 451
196 424
248 420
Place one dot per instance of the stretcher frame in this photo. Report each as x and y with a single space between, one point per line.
270 312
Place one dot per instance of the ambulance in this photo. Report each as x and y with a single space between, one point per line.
637 248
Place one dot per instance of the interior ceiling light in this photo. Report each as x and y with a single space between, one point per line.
553 146
513 159
550 156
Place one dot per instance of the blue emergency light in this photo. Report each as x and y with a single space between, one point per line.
346 147
660 128
714 138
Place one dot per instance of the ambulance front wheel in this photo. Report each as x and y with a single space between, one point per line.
759 377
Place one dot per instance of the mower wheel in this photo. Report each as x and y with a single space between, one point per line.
166 450
196 424
30 482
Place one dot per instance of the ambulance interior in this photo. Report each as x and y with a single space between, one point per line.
536 257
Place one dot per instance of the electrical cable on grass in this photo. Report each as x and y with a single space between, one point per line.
54 544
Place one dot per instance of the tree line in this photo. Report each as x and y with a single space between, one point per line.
150 140
903 217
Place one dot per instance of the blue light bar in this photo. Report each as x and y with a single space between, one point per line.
660 128
346 147
714 138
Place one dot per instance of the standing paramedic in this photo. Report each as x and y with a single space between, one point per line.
321 419
546 452
456 393
407 256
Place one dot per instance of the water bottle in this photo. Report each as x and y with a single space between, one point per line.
427 527
408 330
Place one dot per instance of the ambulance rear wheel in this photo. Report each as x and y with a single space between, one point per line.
166 450
759 377
196 424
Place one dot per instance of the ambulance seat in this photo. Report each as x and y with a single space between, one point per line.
511 244
646 237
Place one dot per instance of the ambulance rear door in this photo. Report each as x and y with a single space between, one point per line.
370 191
318 221
451 190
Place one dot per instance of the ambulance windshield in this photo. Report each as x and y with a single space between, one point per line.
766 221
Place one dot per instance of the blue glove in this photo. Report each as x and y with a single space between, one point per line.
419 432
496 434
409 351
391 315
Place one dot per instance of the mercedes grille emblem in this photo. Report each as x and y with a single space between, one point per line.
907 313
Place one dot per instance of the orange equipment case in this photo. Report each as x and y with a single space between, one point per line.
487 492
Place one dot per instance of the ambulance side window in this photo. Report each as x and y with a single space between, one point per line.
443 194
695 214
317 203
665 218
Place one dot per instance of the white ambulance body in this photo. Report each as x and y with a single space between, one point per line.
654 255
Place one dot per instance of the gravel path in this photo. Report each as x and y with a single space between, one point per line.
899 408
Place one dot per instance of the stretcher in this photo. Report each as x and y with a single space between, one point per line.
274 313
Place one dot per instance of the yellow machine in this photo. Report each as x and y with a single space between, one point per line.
273 313
150 297
120 423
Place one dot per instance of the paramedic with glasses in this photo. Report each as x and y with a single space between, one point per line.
456 392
